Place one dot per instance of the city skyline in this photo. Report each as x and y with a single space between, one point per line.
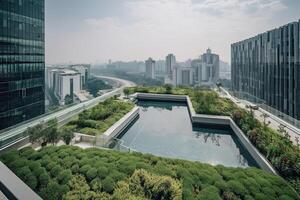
132 30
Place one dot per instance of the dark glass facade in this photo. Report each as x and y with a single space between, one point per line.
22 60
267 68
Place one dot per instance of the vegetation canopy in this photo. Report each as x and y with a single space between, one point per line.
69 172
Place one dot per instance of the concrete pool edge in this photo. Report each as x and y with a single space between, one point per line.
262 162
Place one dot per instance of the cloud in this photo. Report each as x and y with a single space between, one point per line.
183 27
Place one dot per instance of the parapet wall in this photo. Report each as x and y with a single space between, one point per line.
262 162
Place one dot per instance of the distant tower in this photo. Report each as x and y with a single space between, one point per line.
210 67
150 68
170 63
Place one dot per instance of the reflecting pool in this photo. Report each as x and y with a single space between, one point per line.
164 129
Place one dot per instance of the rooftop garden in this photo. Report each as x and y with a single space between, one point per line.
275 145
98 119
69 172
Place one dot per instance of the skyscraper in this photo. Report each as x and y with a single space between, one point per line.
210 67
266 67
170 63
150 68
22 60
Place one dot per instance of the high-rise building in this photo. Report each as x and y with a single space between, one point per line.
150 68
84 70
170 63
196 64
266 67
210 67
22 61
182 75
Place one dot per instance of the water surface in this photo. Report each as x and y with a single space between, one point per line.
164 129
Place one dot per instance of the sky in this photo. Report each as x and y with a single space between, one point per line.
94 31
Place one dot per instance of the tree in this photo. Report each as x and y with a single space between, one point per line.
168 88
36 134
51 132
44 133
126 91
67 134
68 99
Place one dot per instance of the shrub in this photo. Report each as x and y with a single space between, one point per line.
64 176
96 185
31 181
91 173
38 171
44 179
192 180
55 171
108 184
102 172
84 169
75 168
237 187
53 191
209 193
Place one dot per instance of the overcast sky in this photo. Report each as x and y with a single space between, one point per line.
98 30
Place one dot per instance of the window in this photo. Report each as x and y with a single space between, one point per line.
23 92
4 23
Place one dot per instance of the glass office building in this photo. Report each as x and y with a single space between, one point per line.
267 67
22 60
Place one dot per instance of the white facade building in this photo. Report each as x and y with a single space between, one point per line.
182 75
84 70
69 83
150 68
63 82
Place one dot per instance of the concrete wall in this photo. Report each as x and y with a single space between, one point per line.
262 162
13 187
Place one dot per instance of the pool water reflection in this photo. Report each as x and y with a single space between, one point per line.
164 129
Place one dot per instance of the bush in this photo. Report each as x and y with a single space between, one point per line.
44 179
84 169
102 172
91 173
64 176
55 171
209 193
96 185
237 187
108 184
165 178
53 191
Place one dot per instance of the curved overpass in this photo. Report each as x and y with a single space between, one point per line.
15 135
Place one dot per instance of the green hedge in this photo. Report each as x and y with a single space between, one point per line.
73 173
98 119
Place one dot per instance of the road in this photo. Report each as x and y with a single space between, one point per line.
274 121
63 115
